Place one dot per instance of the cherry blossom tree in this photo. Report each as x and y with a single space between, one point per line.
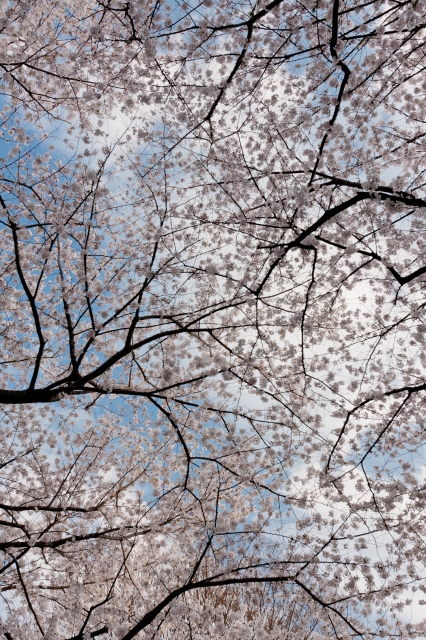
212 259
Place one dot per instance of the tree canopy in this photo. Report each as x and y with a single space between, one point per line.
212 319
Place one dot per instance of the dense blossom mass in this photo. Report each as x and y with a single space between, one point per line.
212 319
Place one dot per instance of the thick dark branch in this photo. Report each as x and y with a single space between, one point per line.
209 583
92 634
31 300
329 215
